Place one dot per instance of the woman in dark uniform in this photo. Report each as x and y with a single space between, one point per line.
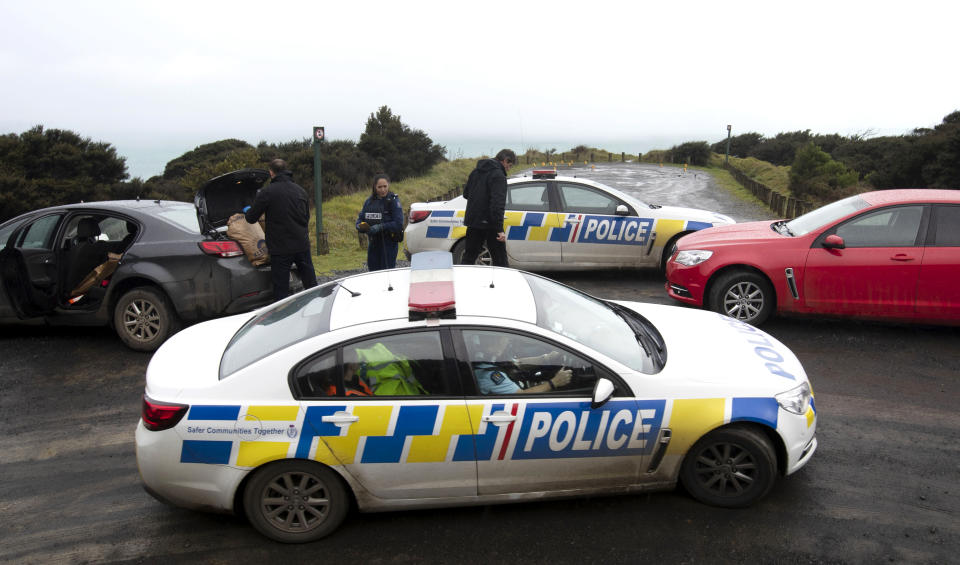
382 220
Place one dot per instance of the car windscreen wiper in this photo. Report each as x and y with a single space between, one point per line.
646 333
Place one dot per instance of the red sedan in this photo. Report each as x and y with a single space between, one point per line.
890 254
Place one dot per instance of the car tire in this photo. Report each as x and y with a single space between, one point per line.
730 468
268 501
743 295
668 252
144 319
460 248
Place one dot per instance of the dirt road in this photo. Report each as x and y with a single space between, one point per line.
881 488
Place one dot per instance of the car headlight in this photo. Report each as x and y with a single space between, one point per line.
795 400
693 257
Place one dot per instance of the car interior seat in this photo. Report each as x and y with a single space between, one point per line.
86 253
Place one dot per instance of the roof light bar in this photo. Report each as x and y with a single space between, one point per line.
431 286
544 173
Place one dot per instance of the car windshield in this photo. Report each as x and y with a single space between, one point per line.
596 324
825 215
287 322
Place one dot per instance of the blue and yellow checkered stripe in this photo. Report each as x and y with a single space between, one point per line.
433 433
549 226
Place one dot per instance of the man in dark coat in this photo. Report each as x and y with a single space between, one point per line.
486 194
288 216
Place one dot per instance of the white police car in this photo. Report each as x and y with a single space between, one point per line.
564 223
441 385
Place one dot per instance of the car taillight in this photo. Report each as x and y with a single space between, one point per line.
158 416
418 215
226 248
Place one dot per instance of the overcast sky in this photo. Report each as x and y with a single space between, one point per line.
156 79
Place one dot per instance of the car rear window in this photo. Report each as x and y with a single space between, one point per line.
285 323
183 216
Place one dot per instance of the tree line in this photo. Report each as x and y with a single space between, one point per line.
826 167
46 167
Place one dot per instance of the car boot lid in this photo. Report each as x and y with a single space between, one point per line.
203 344
227 195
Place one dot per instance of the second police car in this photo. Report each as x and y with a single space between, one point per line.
440 385
564 223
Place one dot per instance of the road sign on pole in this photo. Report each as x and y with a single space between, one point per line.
726 158
322 246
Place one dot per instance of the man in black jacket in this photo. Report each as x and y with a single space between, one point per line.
288 216
486 194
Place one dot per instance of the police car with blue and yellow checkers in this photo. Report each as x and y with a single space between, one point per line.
440 385
564 223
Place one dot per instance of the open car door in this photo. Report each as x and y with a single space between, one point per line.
30 269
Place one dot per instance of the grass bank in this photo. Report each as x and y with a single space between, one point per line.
340 214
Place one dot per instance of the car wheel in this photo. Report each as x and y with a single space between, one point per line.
743 295
668 252
295 501
732 468
144 319
461 247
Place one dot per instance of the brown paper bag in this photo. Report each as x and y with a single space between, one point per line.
250 237
100 272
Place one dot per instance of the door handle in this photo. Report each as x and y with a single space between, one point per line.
340 418
499 418
573 220
902 257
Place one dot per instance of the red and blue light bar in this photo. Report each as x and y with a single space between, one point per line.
431 286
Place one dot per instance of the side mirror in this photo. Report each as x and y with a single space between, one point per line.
602 392
622 210
833 241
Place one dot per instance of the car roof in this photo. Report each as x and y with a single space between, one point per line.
479 291
907 195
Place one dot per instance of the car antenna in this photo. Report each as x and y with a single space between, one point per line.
352 293
493 272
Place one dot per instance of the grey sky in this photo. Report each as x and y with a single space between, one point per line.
159 78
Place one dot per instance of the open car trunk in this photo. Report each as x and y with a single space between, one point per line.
227 195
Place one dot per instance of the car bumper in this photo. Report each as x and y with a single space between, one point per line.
189 485
686 284
799 433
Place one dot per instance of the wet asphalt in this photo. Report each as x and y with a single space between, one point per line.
882 487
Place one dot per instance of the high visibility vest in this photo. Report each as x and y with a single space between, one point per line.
386 373
361 389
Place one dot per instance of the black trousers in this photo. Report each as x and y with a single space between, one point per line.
280 272
475 239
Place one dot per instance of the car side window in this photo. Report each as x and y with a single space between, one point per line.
39 234
6 231
505 363
319 376
532 197
890 227
586 200
946 226
402 364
